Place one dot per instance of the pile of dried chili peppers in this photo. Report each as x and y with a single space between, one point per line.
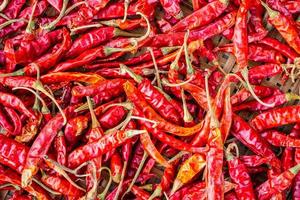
128 99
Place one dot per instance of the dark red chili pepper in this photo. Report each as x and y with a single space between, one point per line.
278 100
253 160
259 73
93 39
240 176
41 145
296 187
250 138
201 17
276 117
17 195
60 148
285 26
74 128
172 8
12 9
277 138
282 48
12 101
15 119
292 6
61 185
5 123
140 193
100 147
13 154
112 117
280 6
277 184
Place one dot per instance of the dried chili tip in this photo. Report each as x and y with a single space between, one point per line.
4 4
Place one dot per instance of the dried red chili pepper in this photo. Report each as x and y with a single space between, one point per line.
140 193
277 138
276 117
240 176
14 117
58 77
5 124
250 138
277 184
74 128
285 26
112 117
60 148
292 6
99 147
116 167
134 95
201 17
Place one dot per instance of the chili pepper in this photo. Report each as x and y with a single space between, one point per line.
61 185
13 154
116 167
32 49
296 187
171 39
285 26
60 148
33 189
18 196
201 17
5 124
12 101
41 145
277 184
253 160
58 77
230 196
57 4
154 97
240 176
250 138
278 5
259 90
134 95
278 100
260 72
276 117
188 170
282 48
140 193
74 128
93 39
13 8
15 119
151 149
197 191
112 117
99 147
172 8
292 6
277 138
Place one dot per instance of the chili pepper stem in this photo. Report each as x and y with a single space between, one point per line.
244 73
3 5
95 122
145 156
125 69
122 125
122 180
176 185
174 64
272 13
157 193
73 30
52 24
167 83
187 117
92 193
295 169
19 72
45 187
126 5
148 28
30 24
9 22
119 32
26 177
103 194
228 154
189 69
156 69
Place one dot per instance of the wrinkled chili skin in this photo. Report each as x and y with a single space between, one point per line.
61 185
15 118
276 117
201 17
13 154
60 148
112 117
158 101
250 138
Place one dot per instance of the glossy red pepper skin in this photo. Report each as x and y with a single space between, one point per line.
276 117
277 138
61 185
112 117
260 72
250 138
201 17
60 148
97 148
13 154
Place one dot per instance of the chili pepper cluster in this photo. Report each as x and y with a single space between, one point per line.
113 99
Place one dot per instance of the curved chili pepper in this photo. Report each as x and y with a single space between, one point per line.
140 193
13 154
201 17
14 102
260 72
93 39
100 147
41 145
57 77
134 95
276 117
250 138
285 26
74 128
15 119
277 184
18 196
278 100
239 175
5 124
61 185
